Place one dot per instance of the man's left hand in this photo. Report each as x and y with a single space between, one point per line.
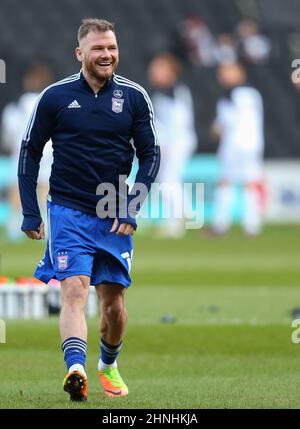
123 228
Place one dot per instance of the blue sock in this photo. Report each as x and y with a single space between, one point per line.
109 353
74 351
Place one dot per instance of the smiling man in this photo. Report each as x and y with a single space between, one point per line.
96 120
98 54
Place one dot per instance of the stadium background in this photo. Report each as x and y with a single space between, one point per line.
211 319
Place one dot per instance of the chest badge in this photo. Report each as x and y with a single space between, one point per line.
117 105
118 93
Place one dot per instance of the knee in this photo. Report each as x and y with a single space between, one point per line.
114 310
74 290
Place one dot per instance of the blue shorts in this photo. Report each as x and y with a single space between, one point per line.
81 244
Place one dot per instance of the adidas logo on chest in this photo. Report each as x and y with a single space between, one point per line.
74 105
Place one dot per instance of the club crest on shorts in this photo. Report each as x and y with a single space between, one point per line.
62 260
117 105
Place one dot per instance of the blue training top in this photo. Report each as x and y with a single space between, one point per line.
94 137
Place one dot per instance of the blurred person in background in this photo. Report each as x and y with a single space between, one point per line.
15 117
254 47
239 126
174 113
199 41
225 49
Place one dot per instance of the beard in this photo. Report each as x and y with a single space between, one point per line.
100 73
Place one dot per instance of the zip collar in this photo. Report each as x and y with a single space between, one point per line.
107 84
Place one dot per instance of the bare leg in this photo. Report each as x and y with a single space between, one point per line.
74 293
224 195
252 221
114 315
112 328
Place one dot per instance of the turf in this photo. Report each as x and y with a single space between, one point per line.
209 327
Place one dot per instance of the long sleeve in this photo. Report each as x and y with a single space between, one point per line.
36 135
147 152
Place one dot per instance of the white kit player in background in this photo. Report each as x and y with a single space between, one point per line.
239 125
15 117
174 118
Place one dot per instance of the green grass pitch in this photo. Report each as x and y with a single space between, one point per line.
227 345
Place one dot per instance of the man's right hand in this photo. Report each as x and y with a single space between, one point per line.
37 235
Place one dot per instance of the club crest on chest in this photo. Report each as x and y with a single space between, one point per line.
117 105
